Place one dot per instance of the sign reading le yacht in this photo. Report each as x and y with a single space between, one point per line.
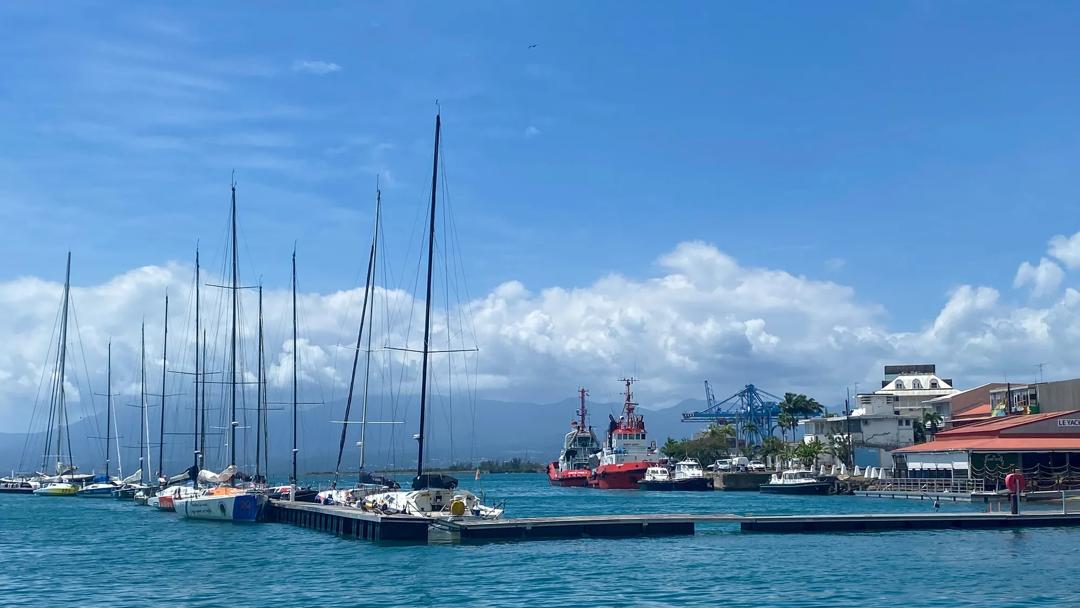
1069 422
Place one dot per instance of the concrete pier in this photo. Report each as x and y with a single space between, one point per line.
740 481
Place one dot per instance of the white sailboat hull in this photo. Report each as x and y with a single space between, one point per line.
235 507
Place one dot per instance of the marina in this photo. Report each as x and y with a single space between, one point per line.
312 545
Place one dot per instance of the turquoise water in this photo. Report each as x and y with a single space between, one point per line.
76 551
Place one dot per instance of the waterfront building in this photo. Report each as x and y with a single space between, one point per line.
1044 446
884 420
964 407
910 388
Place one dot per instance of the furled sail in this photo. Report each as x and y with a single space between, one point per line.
189 474
206 476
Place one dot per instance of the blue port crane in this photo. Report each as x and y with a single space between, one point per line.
751 411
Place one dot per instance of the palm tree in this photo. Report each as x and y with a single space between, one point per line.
931 422
808 452
749 431
786 421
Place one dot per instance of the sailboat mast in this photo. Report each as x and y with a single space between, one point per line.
202 400
356 359
232 363
195 427
259 396
61 417
371 322
108 409
292 479
144 432
164 359
427 304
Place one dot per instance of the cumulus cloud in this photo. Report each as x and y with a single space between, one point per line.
318 68
1066 249
701 315
1044 278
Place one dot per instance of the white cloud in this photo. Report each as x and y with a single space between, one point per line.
835 264
315 67
1066 249
1044 278
701 315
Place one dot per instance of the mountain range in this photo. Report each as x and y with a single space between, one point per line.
488 430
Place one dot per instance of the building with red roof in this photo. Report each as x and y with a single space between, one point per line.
1045 447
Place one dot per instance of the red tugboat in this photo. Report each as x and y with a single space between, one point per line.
626 454
572 467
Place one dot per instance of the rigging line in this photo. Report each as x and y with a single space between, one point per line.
86 370
37 394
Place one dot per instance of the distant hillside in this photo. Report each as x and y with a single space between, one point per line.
492 430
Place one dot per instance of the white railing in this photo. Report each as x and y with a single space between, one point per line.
957 486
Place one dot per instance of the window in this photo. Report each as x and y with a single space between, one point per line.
899 384
916 384
934 384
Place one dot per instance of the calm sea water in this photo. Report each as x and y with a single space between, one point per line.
56 551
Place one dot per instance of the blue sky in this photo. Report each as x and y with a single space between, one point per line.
900 150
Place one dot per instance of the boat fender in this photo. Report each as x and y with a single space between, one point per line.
457 508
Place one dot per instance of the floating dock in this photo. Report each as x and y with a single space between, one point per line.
349 522
578 526
904 521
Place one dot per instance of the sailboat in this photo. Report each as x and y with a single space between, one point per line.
293 491
64 482
366 483
135 486
105 486
433 495
226 501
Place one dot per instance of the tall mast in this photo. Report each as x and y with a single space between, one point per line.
61 418
164 359
292 478
259 397
202 400
195 428
356 359
144 432
108 410
427 304
371 323
583 392
235 315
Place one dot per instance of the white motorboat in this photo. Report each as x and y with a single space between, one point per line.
796 481
101 489
686 476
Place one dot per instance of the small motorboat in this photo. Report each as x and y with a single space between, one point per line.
796 482
102 489
18 485
686 477
57 488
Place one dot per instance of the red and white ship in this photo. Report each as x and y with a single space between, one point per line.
572 467
627 453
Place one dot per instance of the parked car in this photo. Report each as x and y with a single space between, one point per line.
724 464
756 465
